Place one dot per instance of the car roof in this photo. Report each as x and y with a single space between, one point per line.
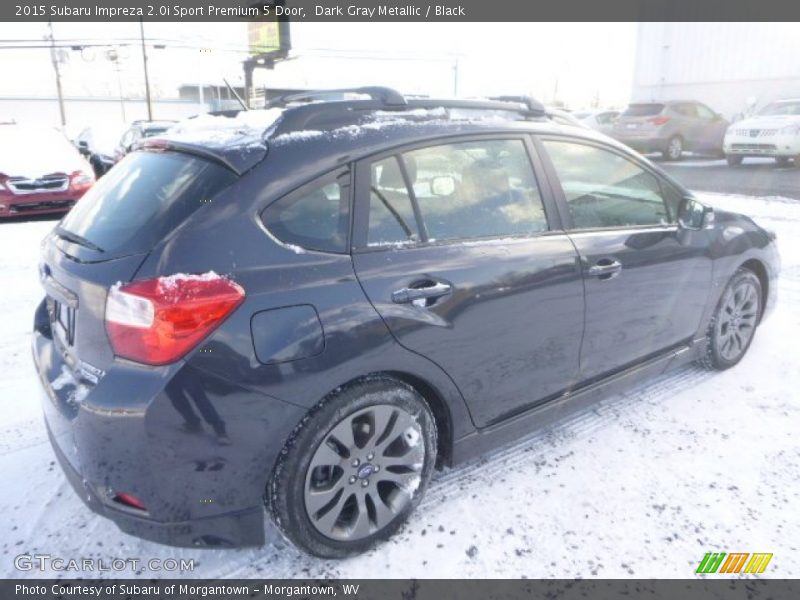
354 128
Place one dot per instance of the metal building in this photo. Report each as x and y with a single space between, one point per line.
728 66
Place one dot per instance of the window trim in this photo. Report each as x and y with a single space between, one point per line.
330 176
561 197
363 172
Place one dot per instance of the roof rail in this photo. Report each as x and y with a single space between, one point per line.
533 105
316 110
385 95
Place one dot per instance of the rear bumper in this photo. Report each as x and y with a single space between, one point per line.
243 528
195 449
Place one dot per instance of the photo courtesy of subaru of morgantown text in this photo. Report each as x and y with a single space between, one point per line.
291 299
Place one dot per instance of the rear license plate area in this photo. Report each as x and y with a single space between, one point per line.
62 321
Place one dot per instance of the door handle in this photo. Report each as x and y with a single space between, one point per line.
605 268
409 294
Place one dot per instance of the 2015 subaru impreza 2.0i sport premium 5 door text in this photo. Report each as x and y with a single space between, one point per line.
311 314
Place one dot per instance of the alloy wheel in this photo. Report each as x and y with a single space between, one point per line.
737 319
675 148
365 472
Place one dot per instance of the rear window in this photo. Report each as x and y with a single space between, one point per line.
143 198
643 110
154 131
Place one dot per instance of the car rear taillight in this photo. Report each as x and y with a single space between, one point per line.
658 120
80 181
157 321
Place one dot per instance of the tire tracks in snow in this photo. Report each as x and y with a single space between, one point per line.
542 447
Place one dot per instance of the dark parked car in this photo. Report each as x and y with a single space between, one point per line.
671 128
103 147
314 314
40 171
99 146
138 131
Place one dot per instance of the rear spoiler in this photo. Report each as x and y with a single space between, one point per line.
238 155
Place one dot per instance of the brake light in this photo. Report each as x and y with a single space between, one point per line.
157 321
80 181
658 120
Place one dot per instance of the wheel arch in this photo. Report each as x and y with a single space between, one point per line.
441 413
760 271
443 417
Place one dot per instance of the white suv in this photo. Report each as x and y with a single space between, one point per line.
774 131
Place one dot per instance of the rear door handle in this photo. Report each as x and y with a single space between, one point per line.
605 268
409 294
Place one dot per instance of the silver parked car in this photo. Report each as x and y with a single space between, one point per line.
671 128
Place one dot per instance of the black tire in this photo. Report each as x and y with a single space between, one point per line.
294 478
733 160
731 330
782 161
674 148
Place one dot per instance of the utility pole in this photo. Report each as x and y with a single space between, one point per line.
112 54
146 76
455 78
54 59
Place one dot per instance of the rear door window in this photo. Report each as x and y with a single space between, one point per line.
143 198
463 191
315 216
478 189
391 215
685 110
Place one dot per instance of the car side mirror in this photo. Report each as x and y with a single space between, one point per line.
695 215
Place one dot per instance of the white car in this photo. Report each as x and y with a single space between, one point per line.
563 117
774 131
599 120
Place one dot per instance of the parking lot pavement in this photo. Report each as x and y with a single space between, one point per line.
755 177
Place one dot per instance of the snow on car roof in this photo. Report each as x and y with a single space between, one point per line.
30 151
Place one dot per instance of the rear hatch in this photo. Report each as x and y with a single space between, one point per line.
640 118
107 236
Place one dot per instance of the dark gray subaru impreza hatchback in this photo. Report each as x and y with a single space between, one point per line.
309 308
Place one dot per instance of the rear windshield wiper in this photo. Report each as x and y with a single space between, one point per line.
77 239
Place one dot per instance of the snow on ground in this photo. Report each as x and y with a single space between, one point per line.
641 486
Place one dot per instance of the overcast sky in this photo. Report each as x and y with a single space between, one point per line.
571 62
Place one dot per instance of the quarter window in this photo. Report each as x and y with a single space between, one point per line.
315 217
603 189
